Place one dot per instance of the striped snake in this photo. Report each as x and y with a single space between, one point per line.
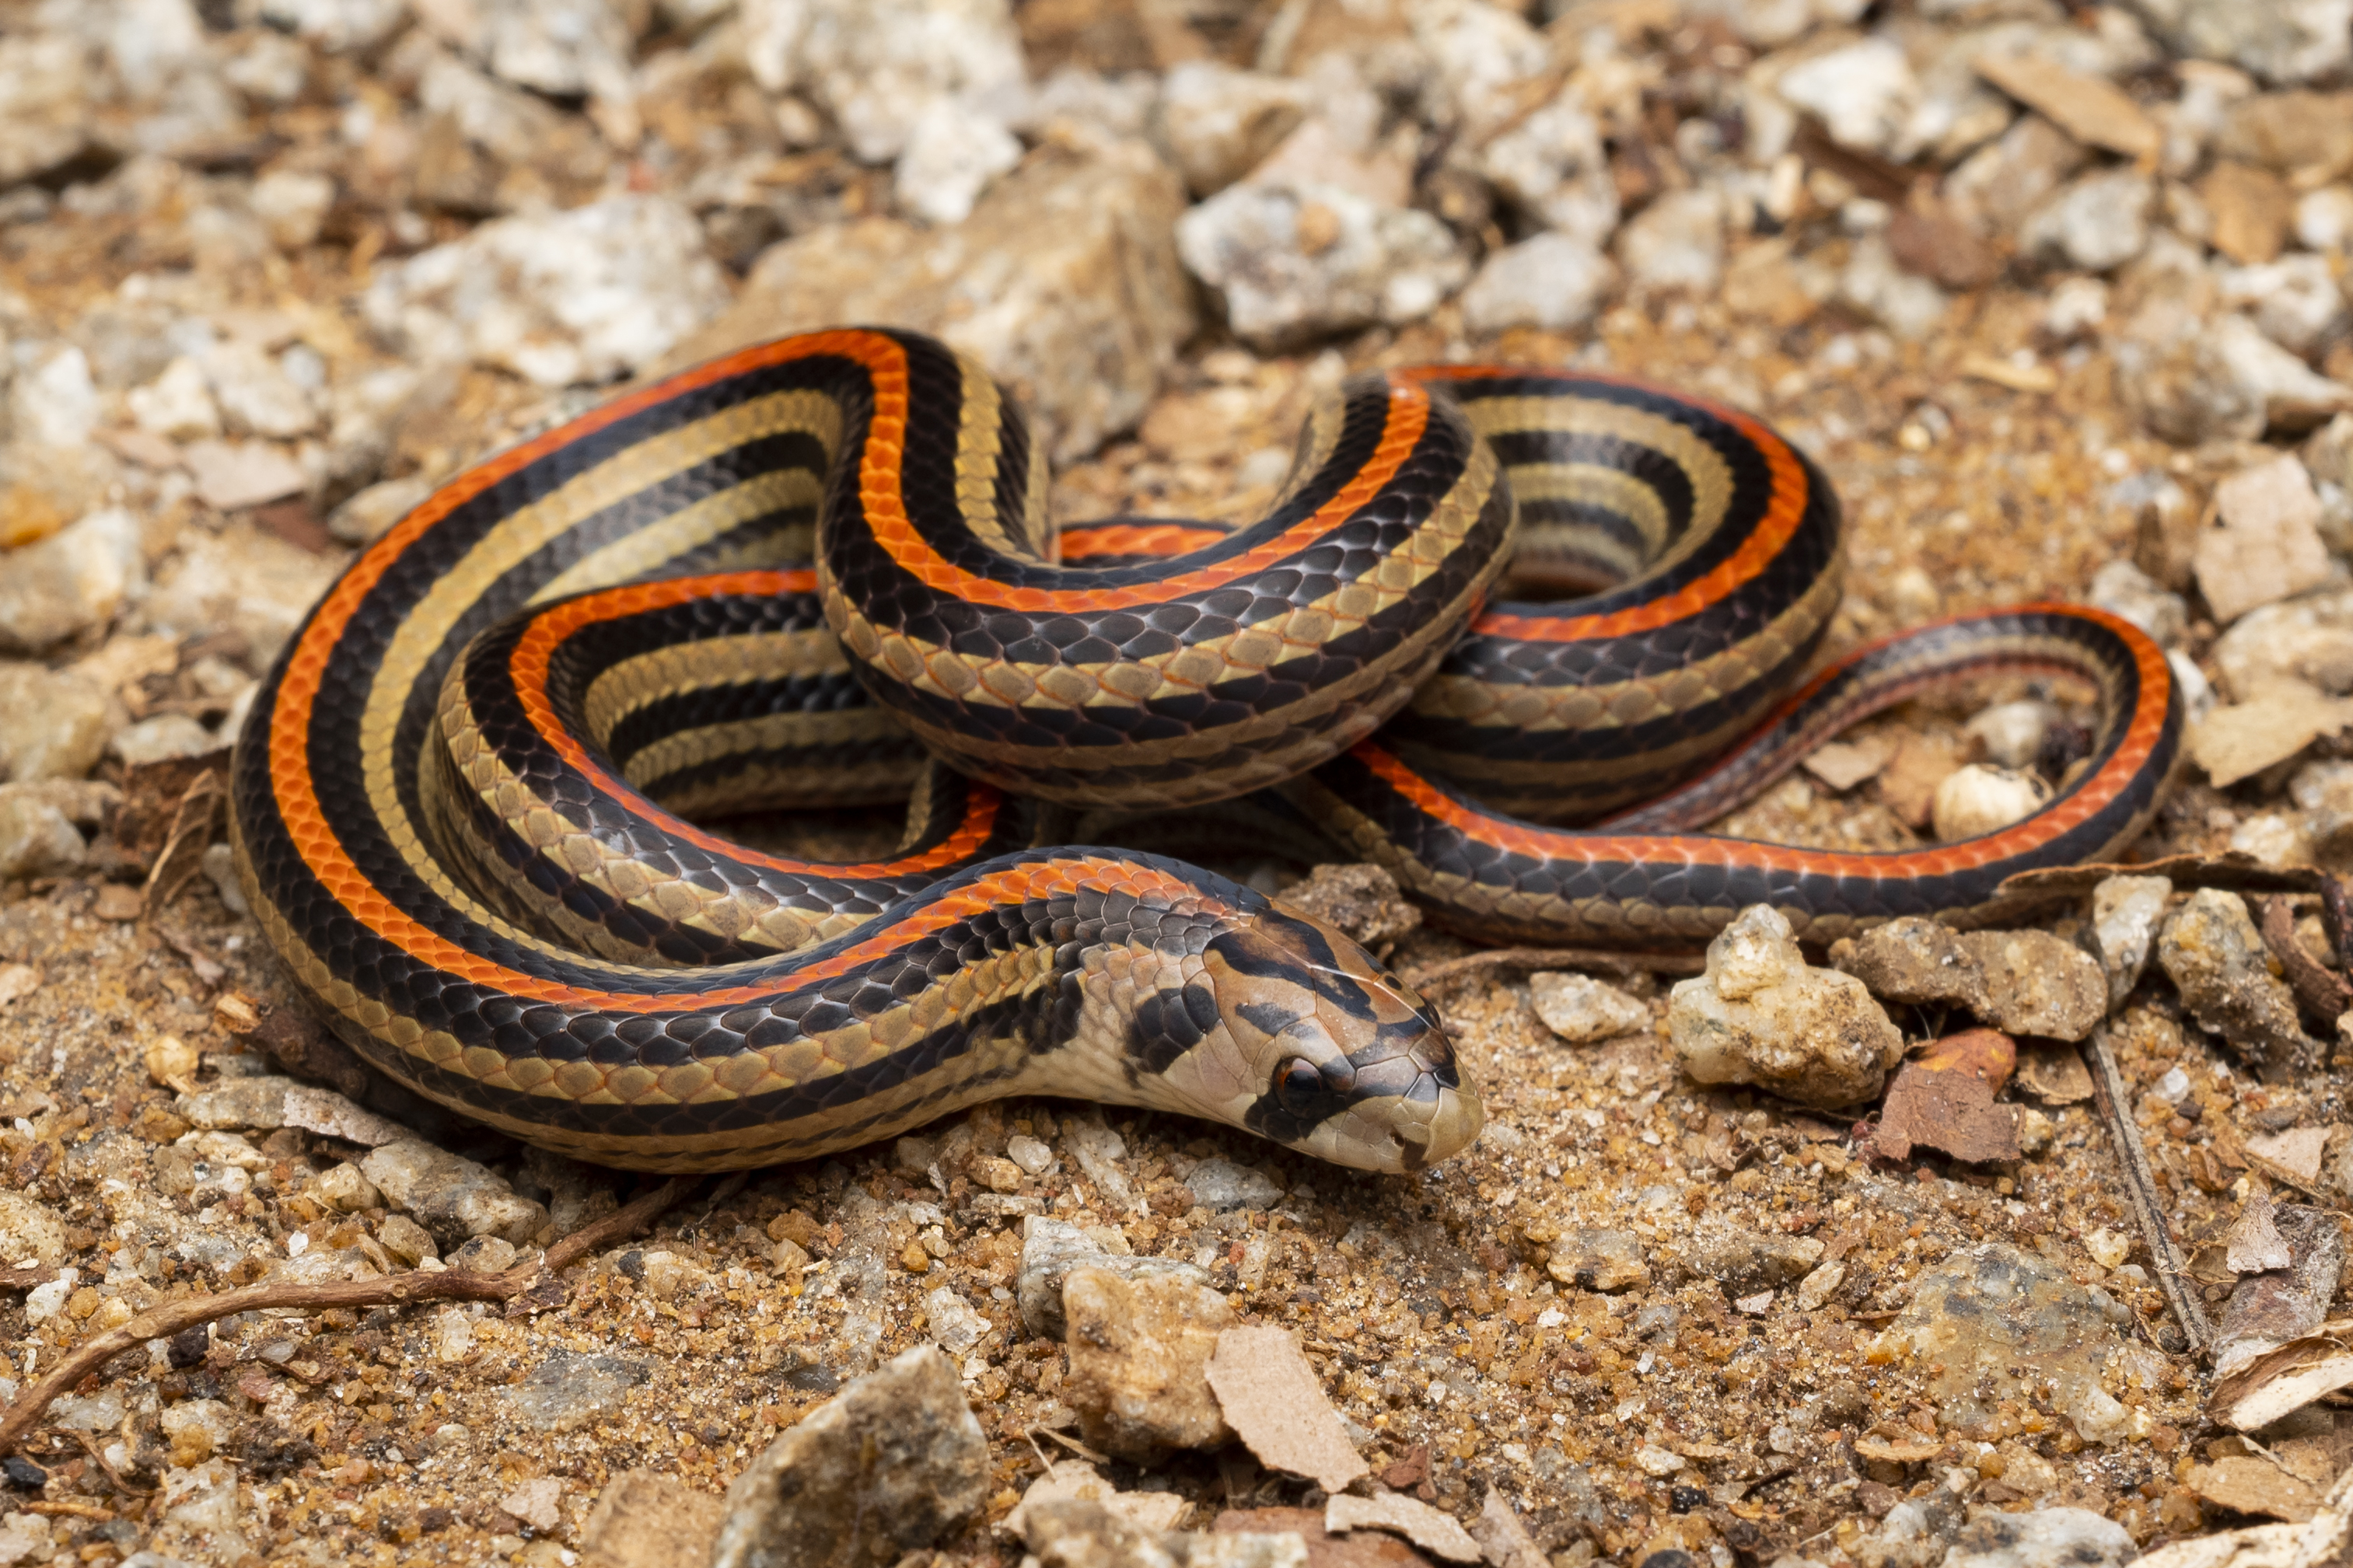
461 800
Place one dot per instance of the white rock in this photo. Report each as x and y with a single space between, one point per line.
256 395
57 722
1553 281
156 739
953 153
1907 305
1977 800
566 48
78 578
2296 299
45 1300
1772 22
2307 639
2099 222
292 204
2324 218
30 1232
1220 121
176 404
1298 260
2123 589
952 1321
1863 92
2011 734
233 475
1676 242
240 579
2045 1538
878 64
2077 308
1812 1035
2267 546
1033 1155
1581 1009
338 26
53 401
1552 167
2125 914
2280 40
559 298
1476 52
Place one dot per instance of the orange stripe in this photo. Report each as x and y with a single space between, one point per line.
527 666
886 514
2133 753
1136 539
1782 515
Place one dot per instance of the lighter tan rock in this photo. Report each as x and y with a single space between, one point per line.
1140 1353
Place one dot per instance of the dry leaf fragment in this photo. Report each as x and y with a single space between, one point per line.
2254 1244
1503 1538
1946 1101
1433 1531
1897 1453
2293 1155
2244 1484
2285 1380
2054 1075
1270 1397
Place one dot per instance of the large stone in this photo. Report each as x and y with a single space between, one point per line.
557 298
2219 963
1053 1249
1760 1015
1993 1324
1064 282
238 580
1552 282
1297 259
888 1465
2045 1538
878 65
568 1391
2279 40
1551 166
2266 544
1139 1355
1220 121
453 1198
69 581
58 722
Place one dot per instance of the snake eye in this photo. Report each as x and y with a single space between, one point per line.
1297 1086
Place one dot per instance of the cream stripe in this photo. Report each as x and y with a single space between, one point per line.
514 540
656 545
1710 477
648 678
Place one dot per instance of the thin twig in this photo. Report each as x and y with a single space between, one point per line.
2323 995
1558 958
408 1289
2141 1187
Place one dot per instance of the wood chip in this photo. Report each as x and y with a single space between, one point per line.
1946 1101
2017 377
2054 1075
2092 110
1270 1398
2245 1484
2235 872
2284 1381
1433 1531
2293 1155
1910 1453
2254 1244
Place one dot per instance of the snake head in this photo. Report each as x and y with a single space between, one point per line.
1337 1057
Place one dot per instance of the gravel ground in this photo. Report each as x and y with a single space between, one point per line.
2057 295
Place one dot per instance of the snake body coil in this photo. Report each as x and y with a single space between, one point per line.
458 803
